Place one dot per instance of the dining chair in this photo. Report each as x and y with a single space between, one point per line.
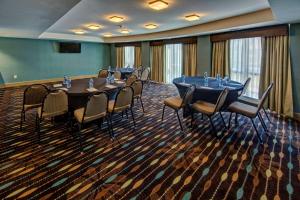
32 98
122 103
137 87
54 104
117 75
242 93
210 109
95 109
250 111
254 102
103 73
177 103
131 79
145 75
136 73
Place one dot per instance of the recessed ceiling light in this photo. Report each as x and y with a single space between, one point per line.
192 17
79 32
107 35
150 26
158 5
124 31
94 26
116 19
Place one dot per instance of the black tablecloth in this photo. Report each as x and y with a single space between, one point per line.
125 72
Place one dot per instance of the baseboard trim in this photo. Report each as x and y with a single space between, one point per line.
25 83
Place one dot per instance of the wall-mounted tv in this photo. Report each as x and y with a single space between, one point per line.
69 47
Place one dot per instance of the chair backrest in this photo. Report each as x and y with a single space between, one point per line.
103 73
137 87
35 94
117 74
264 97
55 102
131 79
136 73
96 106
145 74
245 87
188 96
123 99
221 99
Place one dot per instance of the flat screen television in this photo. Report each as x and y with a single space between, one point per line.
69 47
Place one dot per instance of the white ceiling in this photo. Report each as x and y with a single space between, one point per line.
55 19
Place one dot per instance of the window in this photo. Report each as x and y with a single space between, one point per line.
245 61
129 56
173 62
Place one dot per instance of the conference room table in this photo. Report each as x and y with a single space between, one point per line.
209 93
79 91
125 72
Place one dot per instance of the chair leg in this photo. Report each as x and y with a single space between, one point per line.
212 124
100 123
192 117
108 126
142 104
111 126
179 120
132 116
126 114
262 122
22 119
162 117
229 121
223 120
38 127
266 114
257 133
79 137
236 119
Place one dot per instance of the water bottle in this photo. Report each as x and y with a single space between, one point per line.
65 80
68 83
91 83
112 79
183 78
205 79
109 68
226 78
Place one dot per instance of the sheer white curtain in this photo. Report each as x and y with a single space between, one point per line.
245 61
129 56
173 62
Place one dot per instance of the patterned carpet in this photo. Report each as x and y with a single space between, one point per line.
156 161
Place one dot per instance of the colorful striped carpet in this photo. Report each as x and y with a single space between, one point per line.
154 161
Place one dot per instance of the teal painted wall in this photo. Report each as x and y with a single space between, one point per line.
32 59
295 61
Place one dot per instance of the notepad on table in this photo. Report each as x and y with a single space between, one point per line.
92 89
119 82
64 89
205 87
184 84
57 85
110 86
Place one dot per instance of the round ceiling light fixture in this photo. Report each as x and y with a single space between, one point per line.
192 17
151 26
116 19
79 32
94 26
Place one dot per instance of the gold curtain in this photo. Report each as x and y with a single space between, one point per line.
157 63
137 57
120 56
220 58
190 59
276 68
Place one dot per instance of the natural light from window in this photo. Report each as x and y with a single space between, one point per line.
245 61
129 56
173 62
